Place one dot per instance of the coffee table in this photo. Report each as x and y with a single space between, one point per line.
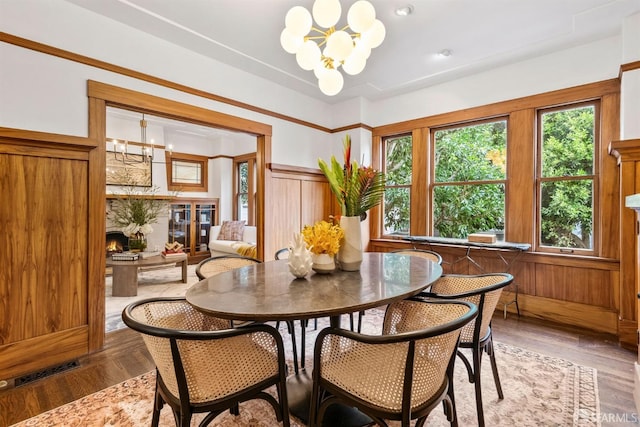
125 273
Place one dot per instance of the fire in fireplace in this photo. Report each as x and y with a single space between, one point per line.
116 242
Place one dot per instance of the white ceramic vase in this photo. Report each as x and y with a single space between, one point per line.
350 253
323 263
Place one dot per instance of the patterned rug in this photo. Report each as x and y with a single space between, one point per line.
539 391
156 281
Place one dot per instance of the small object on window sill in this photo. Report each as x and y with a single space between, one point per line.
482 238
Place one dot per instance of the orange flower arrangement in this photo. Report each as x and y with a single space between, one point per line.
323 237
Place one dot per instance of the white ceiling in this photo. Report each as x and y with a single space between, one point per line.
481 34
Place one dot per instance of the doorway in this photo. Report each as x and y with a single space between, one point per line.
103 95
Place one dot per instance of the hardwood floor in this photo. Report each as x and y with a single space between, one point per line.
615 365
125 356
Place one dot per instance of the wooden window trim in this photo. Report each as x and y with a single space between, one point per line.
432 176
594 177
520 197
409 186
250 159
192 158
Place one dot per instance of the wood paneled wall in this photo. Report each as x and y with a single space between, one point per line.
300 196
51 298
576 291
627 154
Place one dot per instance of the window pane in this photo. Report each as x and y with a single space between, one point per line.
459 210
243 207
397 205
398 157
567 214
568 142
471 153
186 172
243 169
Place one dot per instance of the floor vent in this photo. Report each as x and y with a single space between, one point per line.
45 373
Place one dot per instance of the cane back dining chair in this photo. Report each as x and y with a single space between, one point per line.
283 253
402 374
218 264
203 366
432 255
483 290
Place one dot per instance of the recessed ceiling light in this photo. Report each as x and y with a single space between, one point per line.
405 10
445 53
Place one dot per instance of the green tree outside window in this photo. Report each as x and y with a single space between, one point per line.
470 177
567 178
397 194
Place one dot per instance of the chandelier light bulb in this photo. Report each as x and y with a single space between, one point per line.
298 21
354 64
339 45
319 70
326 13
289 42
362 48
308 55
374 36
331 82
361 16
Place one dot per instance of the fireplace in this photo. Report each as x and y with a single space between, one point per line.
116 242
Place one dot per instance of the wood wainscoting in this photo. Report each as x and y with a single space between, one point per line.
300 196
52 264
579 291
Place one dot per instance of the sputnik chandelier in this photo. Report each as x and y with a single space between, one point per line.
325 49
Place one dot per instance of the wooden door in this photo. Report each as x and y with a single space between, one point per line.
52 223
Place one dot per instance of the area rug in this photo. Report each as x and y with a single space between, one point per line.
539 391
152 282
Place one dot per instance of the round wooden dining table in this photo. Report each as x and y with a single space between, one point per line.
269 292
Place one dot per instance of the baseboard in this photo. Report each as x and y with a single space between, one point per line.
595 318
636 388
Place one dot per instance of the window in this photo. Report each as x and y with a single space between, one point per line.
244 178
243 191
186 172
397 195
566 178
468 186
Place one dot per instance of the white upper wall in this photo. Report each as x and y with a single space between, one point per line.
630 87
572 67
70 27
